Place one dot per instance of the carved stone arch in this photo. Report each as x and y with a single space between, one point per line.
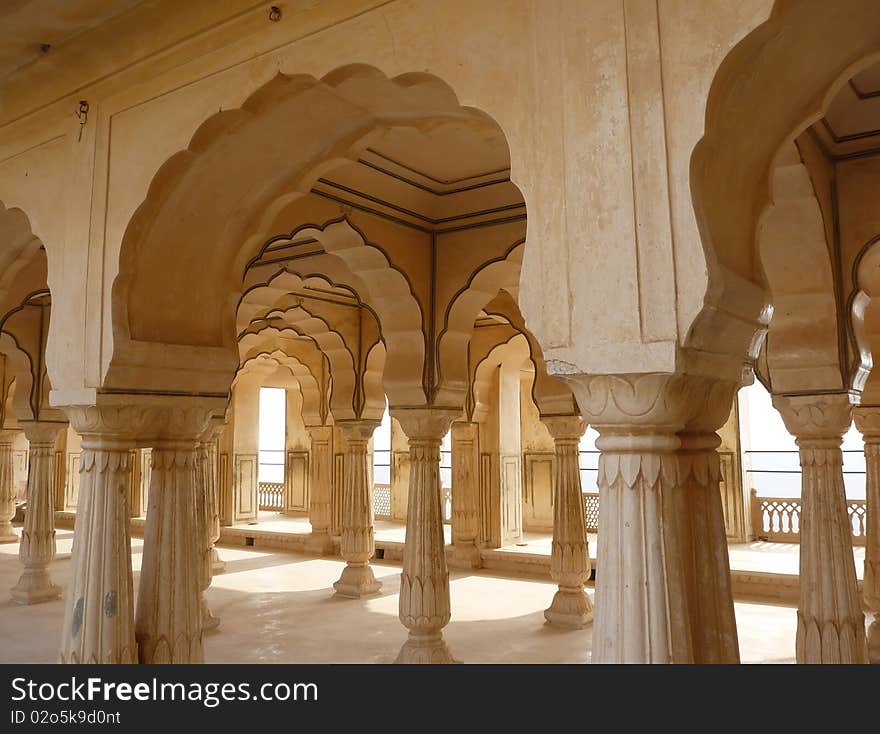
299 321
863 307
804 345
374 390
248 163
18 246
516 348
774 84
23 395
309 386
501 274
551 395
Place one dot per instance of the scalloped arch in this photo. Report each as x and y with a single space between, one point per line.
771 86
803 348
515 349
482 286
248 163
309 386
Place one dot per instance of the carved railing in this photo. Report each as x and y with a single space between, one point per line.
591 511
270 496
777 519
382 501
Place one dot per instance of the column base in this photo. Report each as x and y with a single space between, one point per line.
34 587
209 621
465 555
357 581
874 640
218 565
570 609
425 650
7 534
319 544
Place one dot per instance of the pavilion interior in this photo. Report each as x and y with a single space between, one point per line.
310 355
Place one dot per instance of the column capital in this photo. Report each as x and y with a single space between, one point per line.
42 431
357 430
815 416
653 402
143 419
867 420
427 423
565 427
7 435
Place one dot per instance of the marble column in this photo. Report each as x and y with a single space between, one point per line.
701 522
168 622
868 422
204 517
424 584
465 495
37 549
218 565
99 619
7 488
831 625
320 542
647 609
357 544
570 556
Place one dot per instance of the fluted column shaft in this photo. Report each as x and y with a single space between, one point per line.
37 549
570 556
706 561
204 520
7 488
217 564
424 607
465 495
320 474
831 625
98 618
655 508
357 544
868 422
168 622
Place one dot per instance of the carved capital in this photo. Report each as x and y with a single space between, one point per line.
7 436
867 419
142 421
651 402
815 416
565 427
357 430
425 424
38 432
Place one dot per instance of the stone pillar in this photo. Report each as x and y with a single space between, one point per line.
98 618
647 606
37 549
424 583
465 495
218 565
868 422
7 488
831 625
168 623
320 542
204 519
706 562
357 544
570 556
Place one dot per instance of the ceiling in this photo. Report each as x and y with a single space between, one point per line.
25 25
